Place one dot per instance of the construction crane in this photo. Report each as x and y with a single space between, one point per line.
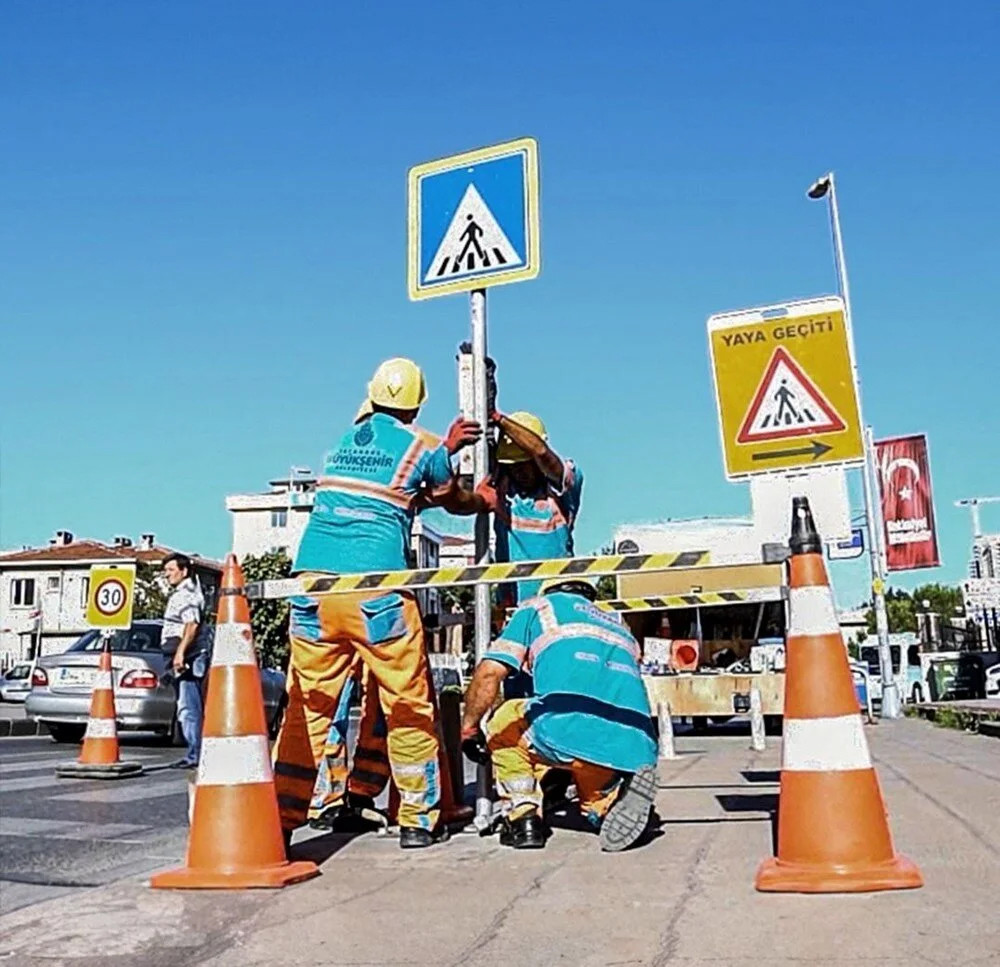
973 504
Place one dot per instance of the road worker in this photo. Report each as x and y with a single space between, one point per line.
361 521
539 496
589 715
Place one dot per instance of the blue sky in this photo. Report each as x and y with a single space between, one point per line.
204 227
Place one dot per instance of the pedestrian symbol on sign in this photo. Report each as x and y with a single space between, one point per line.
474 241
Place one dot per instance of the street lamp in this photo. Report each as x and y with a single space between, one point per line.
825 187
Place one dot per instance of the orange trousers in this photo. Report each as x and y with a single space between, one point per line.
329 635
519 769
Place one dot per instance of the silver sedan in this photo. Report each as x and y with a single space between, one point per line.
145 699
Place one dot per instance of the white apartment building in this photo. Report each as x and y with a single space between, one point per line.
43 590
276 519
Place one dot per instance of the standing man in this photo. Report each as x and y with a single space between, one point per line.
185 644
539 495
362 518
589 716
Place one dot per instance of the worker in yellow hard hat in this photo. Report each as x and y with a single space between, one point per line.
539 495
375 479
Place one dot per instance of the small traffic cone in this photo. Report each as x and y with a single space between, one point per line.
235 840
833 832
99 755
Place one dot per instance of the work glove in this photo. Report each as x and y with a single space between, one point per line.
461 433
474 745
486 492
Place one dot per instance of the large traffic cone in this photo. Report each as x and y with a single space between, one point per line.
235 840
99 757
833 832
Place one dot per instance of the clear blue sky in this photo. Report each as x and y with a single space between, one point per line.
203 236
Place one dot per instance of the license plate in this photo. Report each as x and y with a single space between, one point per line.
77 676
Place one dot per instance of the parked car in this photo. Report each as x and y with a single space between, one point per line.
993 682
145 699
970 678
16 683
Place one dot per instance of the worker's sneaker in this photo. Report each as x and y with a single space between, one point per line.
413 837
628 818
356 815
528 832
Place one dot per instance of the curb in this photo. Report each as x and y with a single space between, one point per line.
10 728
990 728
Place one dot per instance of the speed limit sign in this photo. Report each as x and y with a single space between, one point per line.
112 590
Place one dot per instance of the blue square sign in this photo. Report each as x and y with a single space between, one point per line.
473 220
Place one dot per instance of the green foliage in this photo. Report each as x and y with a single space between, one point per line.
269 619
150 592
902 607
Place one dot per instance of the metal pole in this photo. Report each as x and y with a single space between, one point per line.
873 505
480 470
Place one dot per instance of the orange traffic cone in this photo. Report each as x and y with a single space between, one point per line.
235 840
99 754
833 832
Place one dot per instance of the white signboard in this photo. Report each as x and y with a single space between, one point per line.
826 488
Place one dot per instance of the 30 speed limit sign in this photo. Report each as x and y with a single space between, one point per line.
112 591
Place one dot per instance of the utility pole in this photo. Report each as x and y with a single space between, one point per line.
825 187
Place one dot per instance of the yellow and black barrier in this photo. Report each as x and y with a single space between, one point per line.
476 574
692 599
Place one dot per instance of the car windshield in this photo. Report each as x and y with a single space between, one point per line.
139 638
18 672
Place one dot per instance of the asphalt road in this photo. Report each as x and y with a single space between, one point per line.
58 835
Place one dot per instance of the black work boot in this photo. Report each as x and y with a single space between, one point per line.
628 818
349 816
528 832
413 837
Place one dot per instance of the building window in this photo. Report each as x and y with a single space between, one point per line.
279 518
84 591
52 583
22 592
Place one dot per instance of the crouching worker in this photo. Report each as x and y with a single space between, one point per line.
589 715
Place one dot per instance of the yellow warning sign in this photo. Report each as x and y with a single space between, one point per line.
112 591
785 387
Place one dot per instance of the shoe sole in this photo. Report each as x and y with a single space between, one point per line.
628 818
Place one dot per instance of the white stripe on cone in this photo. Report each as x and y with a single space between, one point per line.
233 646
102 680
832 744
812 612
234 760
101 729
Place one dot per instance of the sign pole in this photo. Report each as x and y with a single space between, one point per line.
481 470
873 504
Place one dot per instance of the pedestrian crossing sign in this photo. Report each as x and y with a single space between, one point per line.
473 220
785 387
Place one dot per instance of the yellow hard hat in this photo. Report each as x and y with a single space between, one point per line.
365 411
507 450
397 384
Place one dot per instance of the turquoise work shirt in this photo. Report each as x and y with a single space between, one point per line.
362 517
590 702
538 527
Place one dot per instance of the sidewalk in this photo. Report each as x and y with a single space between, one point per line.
687 898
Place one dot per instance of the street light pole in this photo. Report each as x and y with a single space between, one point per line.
826 187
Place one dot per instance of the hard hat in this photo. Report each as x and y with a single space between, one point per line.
570 584
366 410
398 384
507 450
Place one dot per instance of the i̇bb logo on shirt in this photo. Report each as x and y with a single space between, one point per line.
365 434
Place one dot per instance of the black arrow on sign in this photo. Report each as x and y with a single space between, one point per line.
815 448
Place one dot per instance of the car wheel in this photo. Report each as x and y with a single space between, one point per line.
66 733
279 715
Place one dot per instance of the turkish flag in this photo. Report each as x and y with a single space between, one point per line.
904 474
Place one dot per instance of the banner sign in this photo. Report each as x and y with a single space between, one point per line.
904 474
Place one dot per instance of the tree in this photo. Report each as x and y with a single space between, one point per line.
902 606
150 591
607 586
945 601
269 618
900 612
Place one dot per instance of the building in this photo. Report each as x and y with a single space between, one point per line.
43 590
985 561
276 519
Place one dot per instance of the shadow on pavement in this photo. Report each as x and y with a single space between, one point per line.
754 803
763 776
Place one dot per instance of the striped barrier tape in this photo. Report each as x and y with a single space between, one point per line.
476 574
693 598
